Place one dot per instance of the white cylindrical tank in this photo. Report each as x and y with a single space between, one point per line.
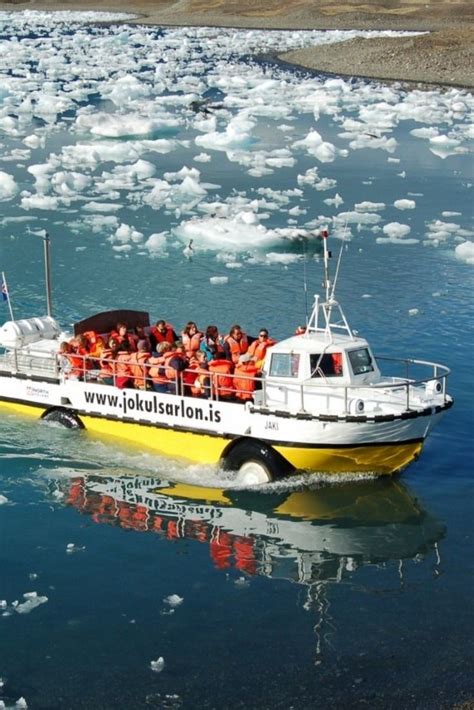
16 333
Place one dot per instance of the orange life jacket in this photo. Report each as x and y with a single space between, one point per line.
156 371
221 377
169 336
138 369
237 347
244 380
197 379
191 342
170 371
258 351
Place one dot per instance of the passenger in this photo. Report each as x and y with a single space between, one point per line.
212 343
126 340
191 338
244 378
159 381
66 360
221 378
236 344
300 330
162 332
79 357
138 367
139 333
258 349
107 362
196 377
175 363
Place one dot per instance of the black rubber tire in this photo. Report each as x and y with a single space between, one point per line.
64 417
251 450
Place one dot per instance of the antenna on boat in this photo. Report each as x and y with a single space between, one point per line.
327 255
43 234
305 280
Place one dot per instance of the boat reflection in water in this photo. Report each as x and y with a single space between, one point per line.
311 537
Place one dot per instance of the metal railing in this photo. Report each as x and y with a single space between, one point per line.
299 397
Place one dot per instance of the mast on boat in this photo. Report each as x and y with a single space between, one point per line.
327 316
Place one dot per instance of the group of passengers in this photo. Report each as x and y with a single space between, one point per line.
155 358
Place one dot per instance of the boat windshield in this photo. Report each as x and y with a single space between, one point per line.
327 365
361 361
284 365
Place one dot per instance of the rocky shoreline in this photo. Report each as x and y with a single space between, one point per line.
443 57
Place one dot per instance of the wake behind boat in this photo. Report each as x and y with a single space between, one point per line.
319 403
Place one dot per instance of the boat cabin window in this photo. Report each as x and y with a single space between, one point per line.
361 361
327 365
284 365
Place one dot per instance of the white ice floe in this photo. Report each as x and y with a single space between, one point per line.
314 145
173 600
216 280
3 499
368 206
157 245
158 665
396 234
465 252
8 186
32 600
413 311
405 204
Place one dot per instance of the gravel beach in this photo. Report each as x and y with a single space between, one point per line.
445 56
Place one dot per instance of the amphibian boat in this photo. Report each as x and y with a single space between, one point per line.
321 403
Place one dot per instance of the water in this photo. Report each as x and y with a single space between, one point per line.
309 594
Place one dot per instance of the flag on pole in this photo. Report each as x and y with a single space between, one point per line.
6 295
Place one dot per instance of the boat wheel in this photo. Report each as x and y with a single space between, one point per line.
64 417
254 462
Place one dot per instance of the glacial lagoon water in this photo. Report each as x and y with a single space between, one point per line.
126 584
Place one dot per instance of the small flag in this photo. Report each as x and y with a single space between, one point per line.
4 291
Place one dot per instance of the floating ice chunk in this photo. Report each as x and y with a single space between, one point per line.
125 234
32 601
450 214
39 202
405 204
34 141
395 229
117 126
413 311
158 665
101 207
8 186
173 600
70 183
219 279
238 133
202 158
71 548
3 499
358 218
368 206
427 133
465 252
242 582
336 200
3 604
314 145
156 244
124 89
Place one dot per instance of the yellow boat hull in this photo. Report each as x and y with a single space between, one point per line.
205 448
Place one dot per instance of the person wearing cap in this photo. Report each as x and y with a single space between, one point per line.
138 367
